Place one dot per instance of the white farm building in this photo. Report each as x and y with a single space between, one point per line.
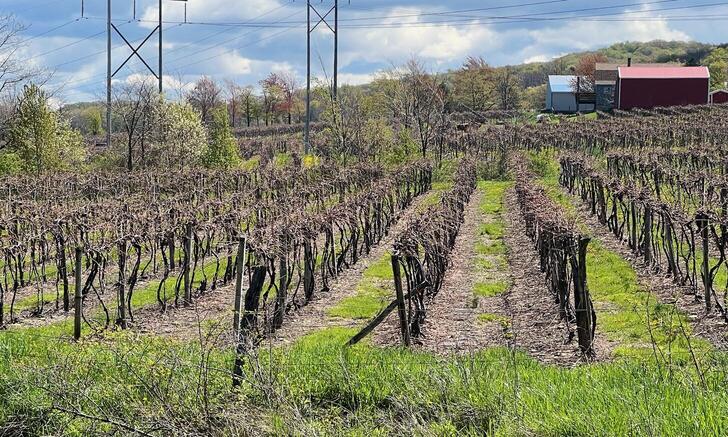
561 95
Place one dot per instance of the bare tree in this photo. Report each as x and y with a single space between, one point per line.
134 104
507 89
427 98
13 71
234 94
205 96
249 103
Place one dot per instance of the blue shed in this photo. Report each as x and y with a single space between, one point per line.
561 95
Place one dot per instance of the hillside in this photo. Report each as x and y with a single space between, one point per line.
691 53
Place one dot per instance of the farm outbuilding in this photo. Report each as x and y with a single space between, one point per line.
606 76
719 97
561 95
649 87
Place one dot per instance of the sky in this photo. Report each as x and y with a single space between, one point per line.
245 40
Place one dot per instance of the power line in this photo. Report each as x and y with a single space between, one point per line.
93 78
456 13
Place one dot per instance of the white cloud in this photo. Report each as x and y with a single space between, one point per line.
356 79
233 64
439 44
572 36
211 10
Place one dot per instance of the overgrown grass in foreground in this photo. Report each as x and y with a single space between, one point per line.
319 387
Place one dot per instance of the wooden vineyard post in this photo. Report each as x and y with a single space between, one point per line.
170 241
308 265
62 270
401 307
78 298
671 263
188 264
582 302
704 233
122 285
280 308
633 227
648 234
239 272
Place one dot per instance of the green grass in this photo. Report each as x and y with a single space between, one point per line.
493 318
323 388
494 248
494 229
373 292
490 289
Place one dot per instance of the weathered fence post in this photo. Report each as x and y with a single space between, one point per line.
63 271
582 302
122 285
308 265
648 234
401 307
280 308
671 258
704 224
78 298
170 241
239 272
188 264
633 227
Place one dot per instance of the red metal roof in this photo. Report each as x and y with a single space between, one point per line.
664 73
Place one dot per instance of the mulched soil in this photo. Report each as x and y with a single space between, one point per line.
535 322
451 324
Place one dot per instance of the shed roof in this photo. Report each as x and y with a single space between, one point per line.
719 92
664 73
607 66
561 83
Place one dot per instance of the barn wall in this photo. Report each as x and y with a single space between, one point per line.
548 97
650 93
563 102
720 98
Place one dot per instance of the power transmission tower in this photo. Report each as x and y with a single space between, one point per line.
134 52
320 18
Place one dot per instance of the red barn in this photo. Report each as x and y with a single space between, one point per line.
719 96
647 87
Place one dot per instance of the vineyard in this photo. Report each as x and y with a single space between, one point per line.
518 279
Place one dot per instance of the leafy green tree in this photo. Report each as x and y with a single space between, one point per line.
93 121
32 131
717 62
183 138
38 138
221 150
472 86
